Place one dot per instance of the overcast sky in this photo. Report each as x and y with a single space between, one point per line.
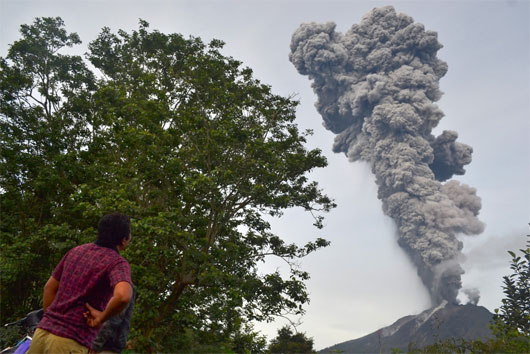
364 281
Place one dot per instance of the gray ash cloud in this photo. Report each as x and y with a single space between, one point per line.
376 86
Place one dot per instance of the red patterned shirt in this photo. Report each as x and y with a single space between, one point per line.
86 274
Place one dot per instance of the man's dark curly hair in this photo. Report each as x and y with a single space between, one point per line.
112 228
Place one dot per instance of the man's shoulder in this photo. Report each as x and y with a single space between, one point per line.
101 253
84 247
81 249
101 259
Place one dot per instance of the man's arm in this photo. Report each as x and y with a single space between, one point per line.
50 290
117 303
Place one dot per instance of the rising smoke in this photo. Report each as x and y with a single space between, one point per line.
376 87
472 295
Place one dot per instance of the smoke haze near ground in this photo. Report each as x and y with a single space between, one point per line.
376 86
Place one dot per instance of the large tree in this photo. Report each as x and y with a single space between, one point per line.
184 140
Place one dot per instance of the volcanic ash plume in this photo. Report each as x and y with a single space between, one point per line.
376 87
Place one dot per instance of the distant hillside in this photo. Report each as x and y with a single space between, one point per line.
446 321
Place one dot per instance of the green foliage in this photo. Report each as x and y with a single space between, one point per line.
40 159
515 345
9 336
514 313
511 323
244 341
179 137
288 342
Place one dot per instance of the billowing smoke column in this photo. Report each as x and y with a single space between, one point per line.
376 88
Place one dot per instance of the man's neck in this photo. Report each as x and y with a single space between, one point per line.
109 247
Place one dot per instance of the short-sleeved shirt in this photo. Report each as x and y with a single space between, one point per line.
86 274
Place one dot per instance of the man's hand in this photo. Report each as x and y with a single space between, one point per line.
117 303
93 317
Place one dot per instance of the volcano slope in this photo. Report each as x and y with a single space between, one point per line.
469 322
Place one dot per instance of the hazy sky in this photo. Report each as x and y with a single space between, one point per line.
364 281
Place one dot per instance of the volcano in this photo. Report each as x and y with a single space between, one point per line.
469 322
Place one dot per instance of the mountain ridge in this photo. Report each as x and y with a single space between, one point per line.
445 321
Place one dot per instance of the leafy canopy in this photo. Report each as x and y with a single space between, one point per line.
514 313
181 138
288 341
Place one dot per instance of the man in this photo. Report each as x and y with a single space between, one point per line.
89 285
